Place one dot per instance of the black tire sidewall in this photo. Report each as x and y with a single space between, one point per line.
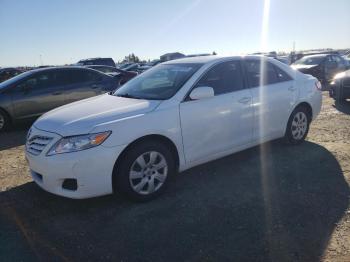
6 119
288 135
121 179
339 94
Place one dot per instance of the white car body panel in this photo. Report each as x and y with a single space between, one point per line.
201 130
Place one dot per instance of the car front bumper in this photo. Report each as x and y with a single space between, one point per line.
91 169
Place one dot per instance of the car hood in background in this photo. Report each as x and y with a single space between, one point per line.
342 74
82 116
303 67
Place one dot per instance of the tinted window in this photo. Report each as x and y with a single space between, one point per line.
82 76
311 60
253 71
223 78
93 76
339 60
39 81
60 77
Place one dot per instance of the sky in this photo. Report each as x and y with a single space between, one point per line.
35 32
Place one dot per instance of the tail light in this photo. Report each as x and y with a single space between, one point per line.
318 85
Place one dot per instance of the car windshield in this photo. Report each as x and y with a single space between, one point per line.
14 79
158 83
310 60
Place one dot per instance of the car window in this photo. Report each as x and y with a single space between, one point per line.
60 77
223 78
93 76
253 71
83 76
339 60
158 83
39 81
281 75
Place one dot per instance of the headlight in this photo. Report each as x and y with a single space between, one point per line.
78 143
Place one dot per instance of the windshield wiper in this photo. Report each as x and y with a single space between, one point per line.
126 95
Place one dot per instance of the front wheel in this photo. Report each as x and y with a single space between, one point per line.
145 171
298 126
4 121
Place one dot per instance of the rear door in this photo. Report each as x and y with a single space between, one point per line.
38 94
274 96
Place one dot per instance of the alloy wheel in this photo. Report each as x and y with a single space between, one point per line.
299 125
148 173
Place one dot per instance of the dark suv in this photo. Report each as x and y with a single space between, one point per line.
35 92
97 61
322 66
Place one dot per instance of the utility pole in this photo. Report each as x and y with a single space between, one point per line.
41 61
294 46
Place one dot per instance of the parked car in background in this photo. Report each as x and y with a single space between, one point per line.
35 92
340 86
295 56
120 75
8 72
97 61
174 116
124 65
347 59
149 65
133 67
322 66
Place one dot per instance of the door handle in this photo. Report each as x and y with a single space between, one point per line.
57 93
291 88
94 86
244 100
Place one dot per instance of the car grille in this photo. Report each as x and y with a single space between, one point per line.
36 144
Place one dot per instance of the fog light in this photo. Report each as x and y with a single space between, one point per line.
70 184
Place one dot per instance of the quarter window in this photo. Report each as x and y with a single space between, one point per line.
223 78
281 75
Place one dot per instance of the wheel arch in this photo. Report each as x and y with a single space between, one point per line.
307 106
6 113
152 137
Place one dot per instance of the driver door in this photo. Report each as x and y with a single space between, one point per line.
38 94
219 123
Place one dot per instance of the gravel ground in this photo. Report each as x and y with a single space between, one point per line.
268 203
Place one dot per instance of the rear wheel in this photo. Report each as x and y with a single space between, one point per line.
4 120
298 126
145 171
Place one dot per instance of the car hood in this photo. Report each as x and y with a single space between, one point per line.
342 75
303 67
81 117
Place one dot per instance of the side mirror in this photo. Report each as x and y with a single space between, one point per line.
202 92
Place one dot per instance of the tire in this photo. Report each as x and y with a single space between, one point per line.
134 177
339 94
4 121
298 126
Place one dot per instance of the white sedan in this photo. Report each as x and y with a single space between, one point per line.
174 116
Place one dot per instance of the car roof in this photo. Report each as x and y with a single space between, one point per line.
96 58
318 55
211 58
59 67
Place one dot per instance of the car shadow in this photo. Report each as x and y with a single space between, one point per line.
343 106
14 136
268 203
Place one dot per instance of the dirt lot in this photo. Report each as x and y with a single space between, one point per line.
269 203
